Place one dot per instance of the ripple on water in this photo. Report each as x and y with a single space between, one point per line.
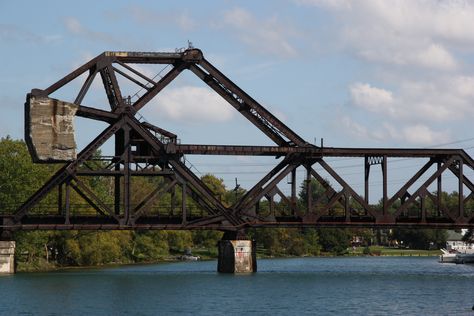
299 286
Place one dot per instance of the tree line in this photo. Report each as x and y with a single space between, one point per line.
19 178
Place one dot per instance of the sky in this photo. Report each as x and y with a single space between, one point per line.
364 73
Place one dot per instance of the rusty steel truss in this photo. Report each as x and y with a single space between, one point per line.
145 150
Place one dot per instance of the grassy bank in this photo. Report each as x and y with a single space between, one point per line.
386 251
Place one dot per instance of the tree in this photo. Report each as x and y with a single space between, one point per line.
150 246
179 240
216 185
317 191
19 176
421 238
468 236
335 240
206 238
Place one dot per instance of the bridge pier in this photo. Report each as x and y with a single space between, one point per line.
7 257
7 252
237 254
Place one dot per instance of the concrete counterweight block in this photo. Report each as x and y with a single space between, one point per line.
7 257
49 125
237 256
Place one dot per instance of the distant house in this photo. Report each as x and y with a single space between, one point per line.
454 242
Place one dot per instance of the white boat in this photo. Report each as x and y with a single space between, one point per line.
456 256
457 250
447 256
189 258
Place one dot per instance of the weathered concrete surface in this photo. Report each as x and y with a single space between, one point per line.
7 257
237 256
49 127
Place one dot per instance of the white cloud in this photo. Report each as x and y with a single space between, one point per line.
14 33
355 129
404 33
333 4
464 86
415 134
435 56
75 27
266 36
192 104
423 135
151 17
444 99
412 134
370 98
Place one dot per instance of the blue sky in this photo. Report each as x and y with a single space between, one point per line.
357 73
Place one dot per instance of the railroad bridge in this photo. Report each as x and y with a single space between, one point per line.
143 149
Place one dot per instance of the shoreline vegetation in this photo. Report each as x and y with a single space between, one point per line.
206 255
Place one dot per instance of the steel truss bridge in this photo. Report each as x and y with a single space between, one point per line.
145 150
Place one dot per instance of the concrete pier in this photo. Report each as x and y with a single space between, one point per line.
7 257
237 256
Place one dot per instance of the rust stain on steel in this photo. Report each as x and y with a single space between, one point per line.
50 126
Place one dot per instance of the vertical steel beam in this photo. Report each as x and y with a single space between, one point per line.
271 204
366 179
117 189
423 207
183 203
293 191
309 190
384 176
60 199
173 201
440 191
126 174
347 207
67 208
461 189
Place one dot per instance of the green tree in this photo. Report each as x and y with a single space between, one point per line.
421 238
468 236
335 240
32 247
317 191
179 240
19 176
206 238
216 185
150 246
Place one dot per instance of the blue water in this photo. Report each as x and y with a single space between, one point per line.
322 286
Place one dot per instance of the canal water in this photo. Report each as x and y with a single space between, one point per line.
300 286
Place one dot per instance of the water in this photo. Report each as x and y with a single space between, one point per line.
349 286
